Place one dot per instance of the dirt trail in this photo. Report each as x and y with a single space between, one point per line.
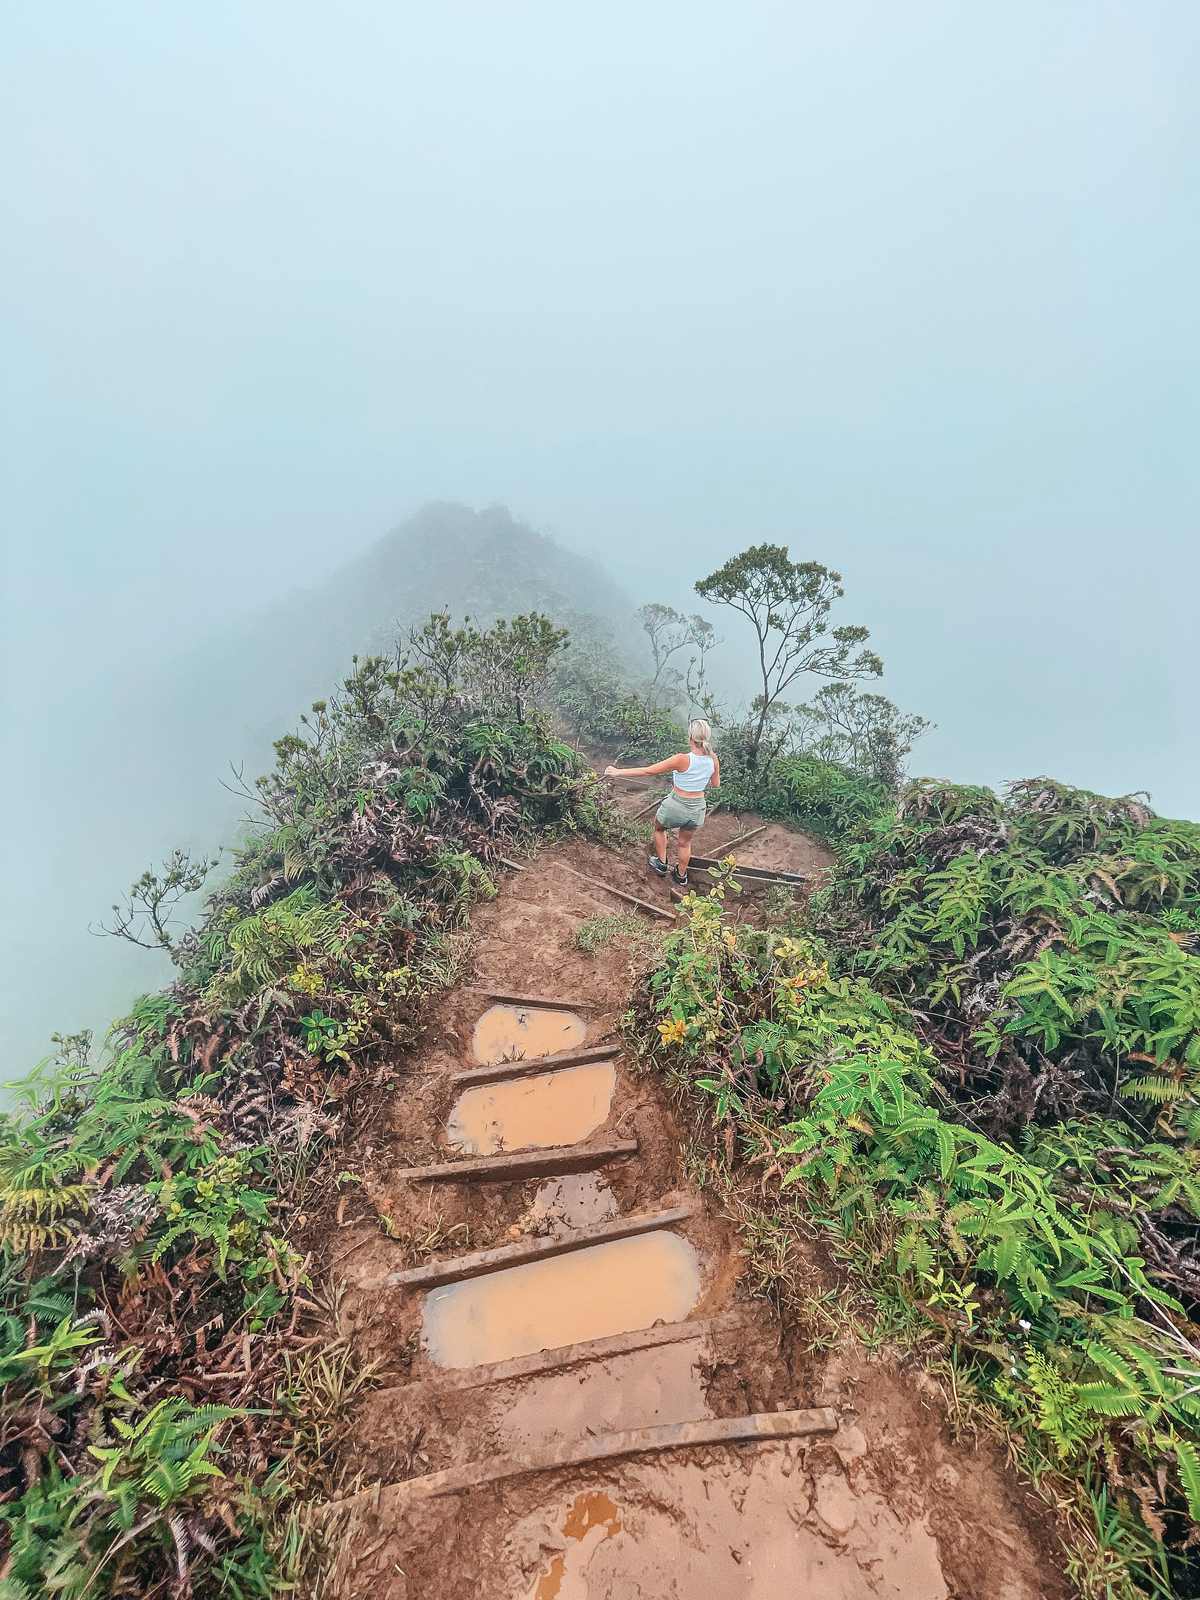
498 1383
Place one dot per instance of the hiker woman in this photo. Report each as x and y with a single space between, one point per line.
683 807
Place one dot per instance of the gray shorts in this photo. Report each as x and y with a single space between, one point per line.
676 812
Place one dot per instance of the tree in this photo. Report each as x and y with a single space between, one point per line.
667 630
700 699
788 605
145 918
864 731
450 672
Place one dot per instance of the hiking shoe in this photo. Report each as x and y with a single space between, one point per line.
679 879
658 866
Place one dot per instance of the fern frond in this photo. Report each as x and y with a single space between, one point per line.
1110 1401
1157 1089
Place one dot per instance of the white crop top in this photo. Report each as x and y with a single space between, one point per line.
696 778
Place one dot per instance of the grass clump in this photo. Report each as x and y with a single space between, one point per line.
627 929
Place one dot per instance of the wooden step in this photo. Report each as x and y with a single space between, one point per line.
762 1427
744 838
754 874
587 1350
530 1066
643 906
535 1002
459 1268
521 1164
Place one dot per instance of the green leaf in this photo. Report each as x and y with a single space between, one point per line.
1188 1461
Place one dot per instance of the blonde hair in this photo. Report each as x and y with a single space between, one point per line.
700 732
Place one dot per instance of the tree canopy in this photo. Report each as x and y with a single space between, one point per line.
788 604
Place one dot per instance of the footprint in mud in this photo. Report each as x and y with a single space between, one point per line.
576 1200
732 1525
591 1520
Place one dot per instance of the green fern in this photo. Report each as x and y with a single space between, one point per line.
38 1202
1187 1460
1157 1089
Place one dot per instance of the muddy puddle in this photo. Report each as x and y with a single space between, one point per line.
592 1519
535 1113
518 1033
588 1294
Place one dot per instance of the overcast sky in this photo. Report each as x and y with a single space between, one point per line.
909 287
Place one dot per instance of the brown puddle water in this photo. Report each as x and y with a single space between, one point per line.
588 1294
592 1519
533 1113
518 1033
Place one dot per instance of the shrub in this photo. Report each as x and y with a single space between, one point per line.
820 796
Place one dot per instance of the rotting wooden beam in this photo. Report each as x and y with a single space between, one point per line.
761 1427
630 899
459 1268
530 1066
521 1164
578 1355
743 837
535 1002
757 874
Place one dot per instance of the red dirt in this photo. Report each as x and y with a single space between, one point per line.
890 1506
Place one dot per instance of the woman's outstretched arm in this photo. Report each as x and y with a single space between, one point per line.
671 764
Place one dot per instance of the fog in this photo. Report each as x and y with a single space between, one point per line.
908 288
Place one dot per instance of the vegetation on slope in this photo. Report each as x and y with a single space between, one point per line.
222 693
978 1063
159 1408
972 1063
977 1060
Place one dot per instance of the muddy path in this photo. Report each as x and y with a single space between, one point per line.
580 1399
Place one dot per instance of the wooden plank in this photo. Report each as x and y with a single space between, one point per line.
577 1355
755 874
630 899
534 1002
530 1066
698 886
521 1164
762 1427
742 837
459 1268
507 861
